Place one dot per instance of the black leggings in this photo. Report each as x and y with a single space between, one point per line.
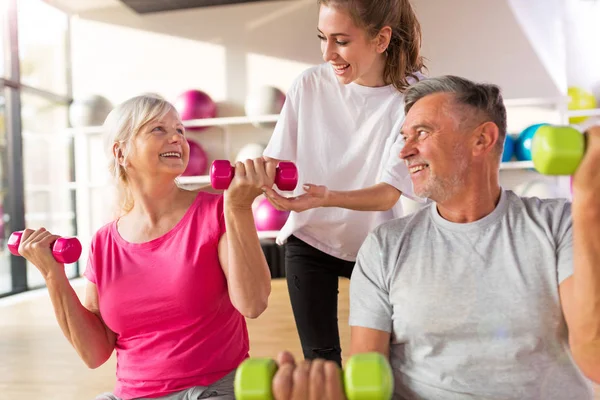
312 279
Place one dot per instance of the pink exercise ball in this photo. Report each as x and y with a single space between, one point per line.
268 218
195 104
198 161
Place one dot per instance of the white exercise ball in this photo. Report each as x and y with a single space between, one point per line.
89 111
250 151
264 100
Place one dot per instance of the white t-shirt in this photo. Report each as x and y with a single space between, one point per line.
345 137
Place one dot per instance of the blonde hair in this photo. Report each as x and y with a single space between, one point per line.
122 124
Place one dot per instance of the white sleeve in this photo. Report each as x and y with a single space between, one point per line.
395 172
283 142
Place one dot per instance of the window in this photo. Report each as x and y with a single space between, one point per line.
47 170
43 37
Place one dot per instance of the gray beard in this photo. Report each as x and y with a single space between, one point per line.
440 189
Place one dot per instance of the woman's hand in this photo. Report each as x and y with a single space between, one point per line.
36 247
250 178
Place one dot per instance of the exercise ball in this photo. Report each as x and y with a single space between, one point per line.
523 142
264 100
509 148
580 99
250 151
198 161
267 217
89 111
195 104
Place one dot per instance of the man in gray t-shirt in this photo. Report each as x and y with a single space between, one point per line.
481 294
472 296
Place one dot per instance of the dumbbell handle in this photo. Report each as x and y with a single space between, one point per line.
222 172
66 250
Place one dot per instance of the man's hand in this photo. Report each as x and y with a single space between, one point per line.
314 197
309 380
586 180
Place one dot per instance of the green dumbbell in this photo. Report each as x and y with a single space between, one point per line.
367 376
557 150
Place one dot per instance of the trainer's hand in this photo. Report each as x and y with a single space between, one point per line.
36 247
315 196
309 380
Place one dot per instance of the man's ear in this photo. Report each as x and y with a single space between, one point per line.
486 138
383 39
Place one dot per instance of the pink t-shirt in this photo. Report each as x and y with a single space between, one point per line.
168 303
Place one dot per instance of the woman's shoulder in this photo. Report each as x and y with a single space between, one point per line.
103 234
205 198
314 75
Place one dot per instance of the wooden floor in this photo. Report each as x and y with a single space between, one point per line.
36 361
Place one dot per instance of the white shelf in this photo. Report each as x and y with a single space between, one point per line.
194 180
65 186
535 102
267 234
192 123
517 165
195 123
584 113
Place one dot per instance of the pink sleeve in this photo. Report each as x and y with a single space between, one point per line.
221 216
90 272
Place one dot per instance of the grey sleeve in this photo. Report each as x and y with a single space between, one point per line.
564 240
370 305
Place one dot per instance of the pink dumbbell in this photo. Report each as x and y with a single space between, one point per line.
222 172
66 250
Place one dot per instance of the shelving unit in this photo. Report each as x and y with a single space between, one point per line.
516 165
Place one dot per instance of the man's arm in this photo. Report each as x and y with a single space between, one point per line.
366 340
580 293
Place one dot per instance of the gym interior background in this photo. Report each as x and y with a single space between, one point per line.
227 67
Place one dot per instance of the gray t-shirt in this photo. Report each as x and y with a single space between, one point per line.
473 309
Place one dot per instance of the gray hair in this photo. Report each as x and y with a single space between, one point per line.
120 128
483 97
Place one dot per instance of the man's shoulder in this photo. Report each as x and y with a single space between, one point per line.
417 221
536 206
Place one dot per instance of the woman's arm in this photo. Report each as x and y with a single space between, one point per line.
240 253
379 197
82 326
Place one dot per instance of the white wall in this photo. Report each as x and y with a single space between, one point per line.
483 40
542 21
583 44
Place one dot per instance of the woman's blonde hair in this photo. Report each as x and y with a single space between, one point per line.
122 124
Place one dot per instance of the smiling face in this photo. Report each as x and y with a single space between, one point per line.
437 151
160 147
353 55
